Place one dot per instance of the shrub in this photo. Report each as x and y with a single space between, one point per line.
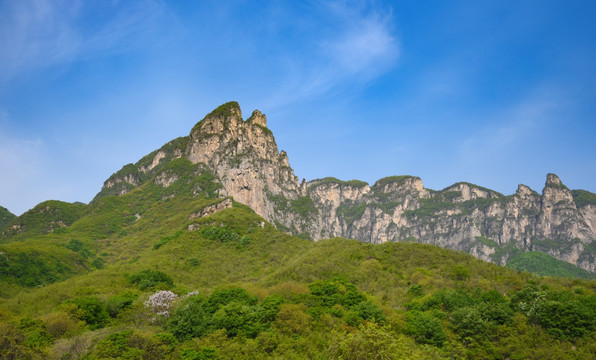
98 263
61 324
565 319
416 290
238 318
223 297
146 279
203 354
293 319
425 328
369 311
190 319
469 322
116 304
448 300
92 311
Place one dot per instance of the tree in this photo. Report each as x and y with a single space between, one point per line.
425 328
190 319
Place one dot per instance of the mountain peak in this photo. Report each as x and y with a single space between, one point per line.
553 180
258 118
229 109
524 190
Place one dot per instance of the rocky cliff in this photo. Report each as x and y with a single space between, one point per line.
243 156
463 217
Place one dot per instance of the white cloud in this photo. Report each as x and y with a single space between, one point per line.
365 44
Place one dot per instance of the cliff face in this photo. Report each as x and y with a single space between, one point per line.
245 159
463 217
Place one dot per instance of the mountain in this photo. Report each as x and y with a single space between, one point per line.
246 163
166 263
43 218
5 217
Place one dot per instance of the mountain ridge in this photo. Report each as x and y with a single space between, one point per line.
245 159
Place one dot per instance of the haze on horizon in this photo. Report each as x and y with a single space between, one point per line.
493 93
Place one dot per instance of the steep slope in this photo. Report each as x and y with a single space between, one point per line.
246 163
5 217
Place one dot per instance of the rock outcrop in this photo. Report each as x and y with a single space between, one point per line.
243 156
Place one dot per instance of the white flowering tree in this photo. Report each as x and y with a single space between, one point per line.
161 302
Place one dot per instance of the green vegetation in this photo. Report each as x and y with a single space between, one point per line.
488 242
543 264
149 279
224 234
430 207
5 217
304 206
398 179
46 217
225 110
32 268
583 198
350 211
332 180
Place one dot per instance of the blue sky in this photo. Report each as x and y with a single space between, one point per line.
495 93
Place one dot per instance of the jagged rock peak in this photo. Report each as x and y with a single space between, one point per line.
524 190
258 118
555 192
227 118
553 180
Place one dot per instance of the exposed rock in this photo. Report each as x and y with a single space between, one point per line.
258 118
245 158
211 209
158 157
165 179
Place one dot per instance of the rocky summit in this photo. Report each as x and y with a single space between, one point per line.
244 159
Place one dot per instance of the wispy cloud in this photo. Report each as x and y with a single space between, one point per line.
363 43
356 43
41 33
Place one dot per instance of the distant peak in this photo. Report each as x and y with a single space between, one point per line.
523 190
258 118
552 179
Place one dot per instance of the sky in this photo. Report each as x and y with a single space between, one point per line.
495 93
